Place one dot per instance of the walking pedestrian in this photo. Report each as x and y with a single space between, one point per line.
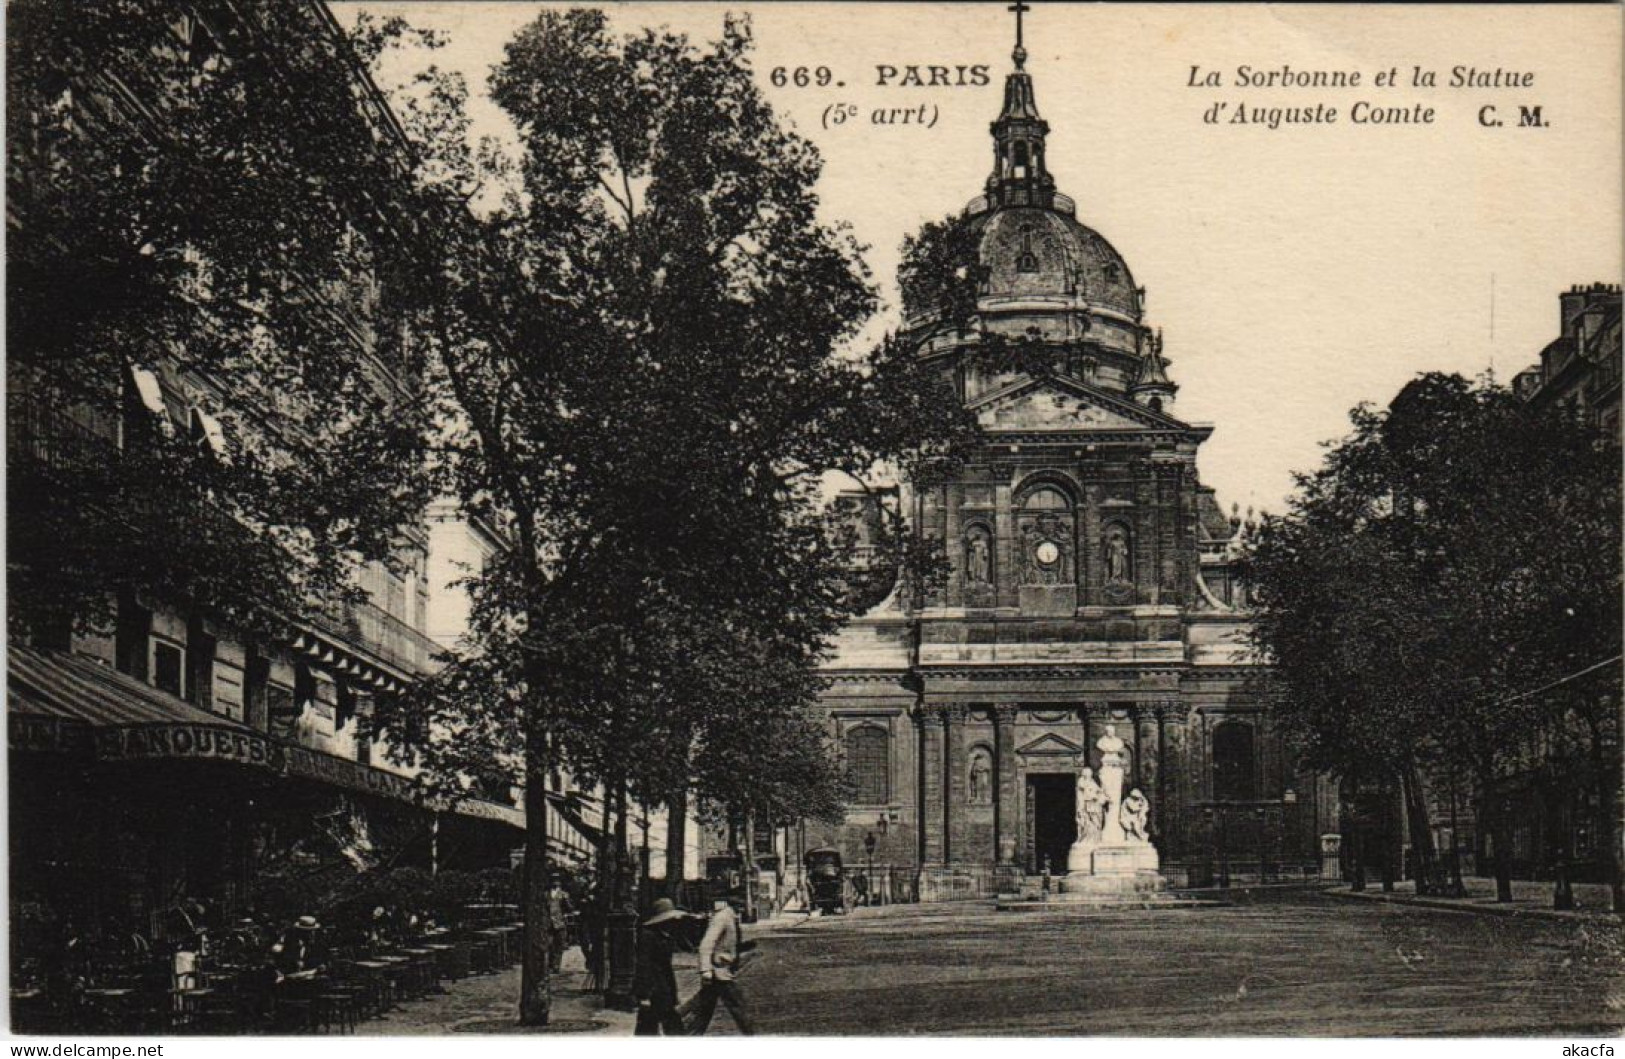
559 911
591 933
654 983
719 962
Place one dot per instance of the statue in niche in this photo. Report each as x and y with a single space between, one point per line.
978 559
1135 817
981 778
1117 557
1091 810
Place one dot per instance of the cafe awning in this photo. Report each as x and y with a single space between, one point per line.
61 703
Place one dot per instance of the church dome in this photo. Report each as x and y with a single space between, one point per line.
1041 272
1035 253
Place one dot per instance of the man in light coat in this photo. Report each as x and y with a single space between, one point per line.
719 961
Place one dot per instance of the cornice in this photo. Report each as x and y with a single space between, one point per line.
1064 672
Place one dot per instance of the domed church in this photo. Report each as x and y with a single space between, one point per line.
1091 588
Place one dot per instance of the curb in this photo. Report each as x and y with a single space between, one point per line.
1514 911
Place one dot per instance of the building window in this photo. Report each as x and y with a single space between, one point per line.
144 411
1045 498
1027 261
344 708
395 595
281 711
130 638
209 436
1233 762
200 651
868 765
168 667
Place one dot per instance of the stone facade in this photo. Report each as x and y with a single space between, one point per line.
1091 586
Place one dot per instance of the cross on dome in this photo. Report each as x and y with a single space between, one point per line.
1018 9
1019 176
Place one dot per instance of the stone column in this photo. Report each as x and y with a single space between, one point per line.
1177 763
1090 577
1164 795
953 539
1093 717
1147 767
931 832
1007 574
954 785
1006 828
1145 535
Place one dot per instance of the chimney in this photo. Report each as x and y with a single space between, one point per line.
1569 305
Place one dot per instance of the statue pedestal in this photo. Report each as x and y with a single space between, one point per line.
1113 869
1125 859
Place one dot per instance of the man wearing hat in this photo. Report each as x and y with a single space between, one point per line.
655 983
719 960
301 948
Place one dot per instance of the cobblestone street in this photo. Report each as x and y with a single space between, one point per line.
1286 964
486 1004
1303 964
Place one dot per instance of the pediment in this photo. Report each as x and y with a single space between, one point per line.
1061 404
1050 745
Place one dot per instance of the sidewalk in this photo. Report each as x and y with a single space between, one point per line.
486 1004
1531 899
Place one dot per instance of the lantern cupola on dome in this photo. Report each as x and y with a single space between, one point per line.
1019 175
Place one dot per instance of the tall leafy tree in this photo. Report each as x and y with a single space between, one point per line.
203 193
647 351
1457 556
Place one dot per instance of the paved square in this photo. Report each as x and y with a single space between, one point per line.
1292 966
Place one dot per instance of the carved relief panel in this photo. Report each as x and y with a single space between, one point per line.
1046 559
1045 529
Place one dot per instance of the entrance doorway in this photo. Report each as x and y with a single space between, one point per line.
1051 825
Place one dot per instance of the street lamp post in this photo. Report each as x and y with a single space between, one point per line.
869 875
1263 844
1289 801
1224 848
884 825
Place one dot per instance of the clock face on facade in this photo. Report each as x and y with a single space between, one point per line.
1047 553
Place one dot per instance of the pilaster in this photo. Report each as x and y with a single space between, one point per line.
1007 576
1006 826
929 721
1178 786
955 792
1147 763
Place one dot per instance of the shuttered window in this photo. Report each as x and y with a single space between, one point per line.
868 763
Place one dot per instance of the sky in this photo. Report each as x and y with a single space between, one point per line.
1295 271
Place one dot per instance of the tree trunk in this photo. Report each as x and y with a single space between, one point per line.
1501 829
1357 857
603 895
1390 839
622 862
1608 813
622 919
535 993
676 841
750 866
1429 879
1354 833
1458 888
